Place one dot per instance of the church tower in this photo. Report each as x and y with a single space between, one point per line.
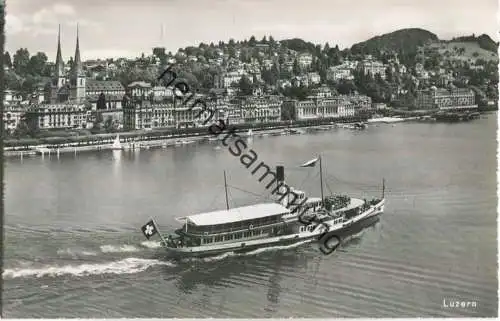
77 77
59 77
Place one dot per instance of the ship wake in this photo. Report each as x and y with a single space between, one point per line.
129 265
249 253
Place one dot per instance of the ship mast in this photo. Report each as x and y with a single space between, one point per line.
383 188
225 188
321 179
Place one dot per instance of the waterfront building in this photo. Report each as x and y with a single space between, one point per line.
261 109
57 116
147 114
234 114
316 108
445 99
143 115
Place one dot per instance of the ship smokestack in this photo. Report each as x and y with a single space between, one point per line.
280 180
280 173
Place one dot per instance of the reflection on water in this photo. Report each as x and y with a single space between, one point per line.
117 162
224 269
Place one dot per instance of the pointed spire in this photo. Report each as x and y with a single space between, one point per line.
77 64
59 60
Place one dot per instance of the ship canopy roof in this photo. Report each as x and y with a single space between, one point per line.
237 214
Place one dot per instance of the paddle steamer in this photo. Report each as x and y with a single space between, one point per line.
290 220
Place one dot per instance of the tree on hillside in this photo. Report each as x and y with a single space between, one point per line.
299 93
13 81
252 41
345 87
21 61
101 102
7 62
296 67
29 85
389 75
270 76
245 86
37 64
272 42
326 49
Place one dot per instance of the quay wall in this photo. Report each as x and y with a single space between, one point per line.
100 141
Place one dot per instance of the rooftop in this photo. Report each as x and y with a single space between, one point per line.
103 85
142 84
237 214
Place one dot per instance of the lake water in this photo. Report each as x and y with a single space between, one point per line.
73 245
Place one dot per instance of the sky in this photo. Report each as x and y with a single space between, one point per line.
126 28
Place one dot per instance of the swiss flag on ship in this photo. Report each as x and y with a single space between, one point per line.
149 229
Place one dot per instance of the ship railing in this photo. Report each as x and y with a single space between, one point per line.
227 231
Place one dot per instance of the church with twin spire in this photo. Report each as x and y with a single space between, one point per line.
67 87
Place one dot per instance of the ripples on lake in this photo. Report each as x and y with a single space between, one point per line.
73 247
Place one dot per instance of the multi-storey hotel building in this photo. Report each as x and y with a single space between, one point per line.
57 116
330 107
263 109
146 114
439 98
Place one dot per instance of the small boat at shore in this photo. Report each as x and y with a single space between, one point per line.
249 134
386 120
116 144
296 131
247 228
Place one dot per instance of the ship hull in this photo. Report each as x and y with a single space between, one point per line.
341 231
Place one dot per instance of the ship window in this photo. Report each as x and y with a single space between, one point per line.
246 234
237 236
255 233
229 237
301 229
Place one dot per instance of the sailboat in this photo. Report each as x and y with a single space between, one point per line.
116 144
247 228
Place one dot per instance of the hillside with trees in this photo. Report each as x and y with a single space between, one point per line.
484 41
401 40
468 60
